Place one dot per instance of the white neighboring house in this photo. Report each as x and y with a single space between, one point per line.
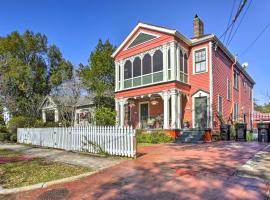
84 109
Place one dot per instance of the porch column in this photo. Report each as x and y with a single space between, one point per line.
117 112
174 109
173 61
178 63
116 76
44 116
122 112
179 110
121 68
56 115
166 110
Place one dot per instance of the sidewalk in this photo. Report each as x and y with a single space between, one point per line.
83 160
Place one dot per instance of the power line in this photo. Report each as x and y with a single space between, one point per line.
241 20
229 19
239 10
254 41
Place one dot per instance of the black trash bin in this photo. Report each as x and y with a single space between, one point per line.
225 132
263 132
241 132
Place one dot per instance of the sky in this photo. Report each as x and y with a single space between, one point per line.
76 25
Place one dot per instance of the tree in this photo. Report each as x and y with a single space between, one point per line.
99 75
105 116
29 69
69 92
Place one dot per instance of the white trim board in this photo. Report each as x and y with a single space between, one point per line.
199 93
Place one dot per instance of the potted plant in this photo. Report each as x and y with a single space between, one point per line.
186 123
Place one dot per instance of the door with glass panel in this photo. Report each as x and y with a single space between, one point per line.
200 112
144 114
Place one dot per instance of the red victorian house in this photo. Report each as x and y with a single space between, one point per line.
164 80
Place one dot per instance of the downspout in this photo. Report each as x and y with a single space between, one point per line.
232 86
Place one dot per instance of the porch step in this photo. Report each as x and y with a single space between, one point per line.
191 136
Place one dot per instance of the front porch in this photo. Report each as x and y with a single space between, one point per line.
162 110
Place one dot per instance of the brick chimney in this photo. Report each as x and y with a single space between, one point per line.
198 27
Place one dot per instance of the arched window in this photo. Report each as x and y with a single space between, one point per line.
185 68
137 67
147 63
169 64
181 62
185 64
157 61
127 70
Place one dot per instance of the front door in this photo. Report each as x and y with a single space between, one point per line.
143 114
200 112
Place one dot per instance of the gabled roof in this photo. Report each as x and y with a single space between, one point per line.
151 27
65 100
190 42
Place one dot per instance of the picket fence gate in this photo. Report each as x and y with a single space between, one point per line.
113 140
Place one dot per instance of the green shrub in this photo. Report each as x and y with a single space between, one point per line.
154 137
233 132
39 124
13 137
3 129
249 136
51 124
105 116
5 136
20 122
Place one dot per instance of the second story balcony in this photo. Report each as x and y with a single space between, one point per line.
161 64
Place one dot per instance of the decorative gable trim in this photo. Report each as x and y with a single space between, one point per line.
151 27
141 38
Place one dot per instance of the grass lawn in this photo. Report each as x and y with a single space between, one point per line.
145 144
8 153
23 173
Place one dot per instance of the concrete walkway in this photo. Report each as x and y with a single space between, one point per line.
257 167
168 171
84 160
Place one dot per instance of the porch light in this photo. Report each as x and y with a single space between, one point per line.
131 103
154 102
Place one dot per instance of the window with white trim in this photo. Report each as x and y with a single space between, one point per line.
235 112
183 67
169 64
229 91
220 105
235 80
200 60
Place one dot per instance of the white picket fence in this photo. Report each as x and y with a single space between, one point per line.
113 140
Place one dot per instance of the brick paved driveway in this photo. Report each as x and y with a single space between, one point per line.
168 171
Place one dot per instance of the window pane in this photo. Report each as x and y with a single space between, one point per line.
169 59
136 67
157 61
157 77
137 81
127 70
181 61
147 64
185 64
128 83
147 79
